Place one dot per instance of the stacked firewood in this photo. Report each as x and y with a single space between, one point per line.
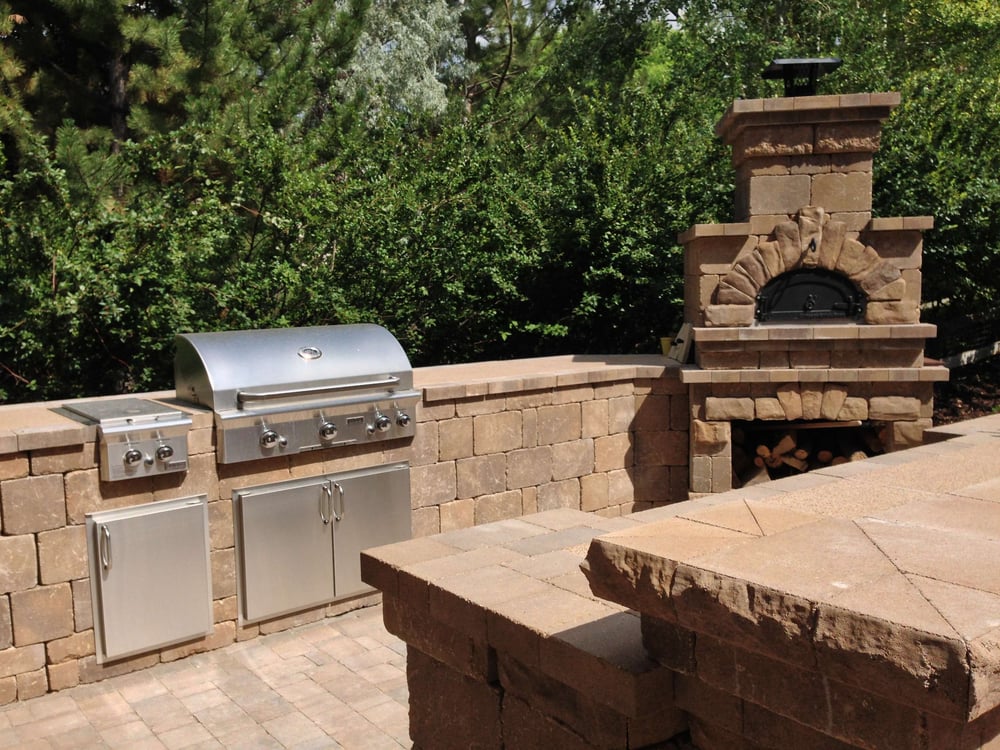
762 455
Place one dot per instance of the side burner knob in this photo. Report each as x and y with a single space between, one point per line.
269 439
328 431
164 452
382 423
402 419
132 456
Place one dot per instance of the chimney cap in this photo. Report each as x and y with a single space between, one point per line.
791 69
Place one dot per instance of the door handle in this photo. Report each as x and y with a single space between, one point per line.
104 544
338 515
326 503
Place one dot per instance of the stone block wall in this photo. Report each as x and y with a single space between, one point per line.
493 442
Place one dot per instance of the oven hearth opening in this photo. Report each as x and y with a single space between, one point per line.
763 451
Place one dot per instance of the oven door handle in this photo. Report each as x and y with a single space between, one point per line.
244 396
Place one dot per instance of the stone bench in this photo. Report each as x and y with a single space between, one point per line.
507 646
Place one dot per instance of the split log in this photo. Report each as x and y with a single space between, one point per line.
824 456
838 460
763 451
858 456
785 445
795 463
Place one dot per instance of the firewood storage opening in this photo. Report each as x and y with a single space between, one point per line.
763 451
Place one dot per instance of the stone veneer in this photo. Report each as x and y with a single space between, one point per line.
852 607
494 441
803 200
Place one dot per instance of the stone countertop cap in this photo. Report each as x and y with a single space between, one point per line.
880 574
40 425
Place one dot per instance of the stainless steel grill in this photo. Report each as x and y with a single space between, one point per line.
286 390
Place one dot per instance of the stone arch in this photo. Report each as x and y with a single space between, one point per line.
810 240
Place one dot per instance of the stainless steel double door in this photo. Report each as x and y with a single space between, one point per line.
299 543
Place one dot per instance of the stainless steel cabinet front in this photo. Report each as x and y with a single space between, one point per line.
150 576
370 510
298 543
284 544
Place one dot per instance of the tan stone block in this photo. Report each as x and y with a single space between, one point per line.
709 438
220 524
433 484
564 494
558 424
91 671
838 191
63 459
573 459
436 411
223 562
529 466
725 409
14 466
701 473
14 661
834 397
909 434
621 489
528 400
594 418
855 259
223 634
812 403
729 315
888 313
459 514
8 690
32 684
914 283
529 428
455 438
679 413
75 646
891 292
768 409
722 473
779 194
33 504
6 627
892 408
573 395
426 521
774 359
200 440
62 554
853 408
652 412
425 447
769 141
621 414
855 137
42 614
594 493
480 405
18 563
83 615
497 433
481 475
64 676
741 360
498 507
613 452
200 478
224 609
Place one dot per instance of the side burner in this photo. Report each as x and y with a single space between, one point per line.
136 437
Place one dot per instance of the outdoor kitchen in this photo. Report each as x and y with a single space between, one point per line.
579 551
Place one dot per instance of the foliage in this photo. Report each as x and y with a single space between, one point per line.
487 179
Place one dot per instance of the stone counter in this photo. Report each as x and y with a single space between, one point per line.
494 441
854 606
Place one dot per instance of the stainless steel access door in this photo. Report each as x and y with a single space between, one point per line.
371 508
150 576
284 546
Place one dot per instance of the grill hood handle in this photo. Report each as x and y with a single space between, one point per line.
244 396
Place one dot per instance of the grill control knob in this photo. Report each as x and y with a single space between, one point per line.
402 418
269 439
382 423
132 456
164 452
328 431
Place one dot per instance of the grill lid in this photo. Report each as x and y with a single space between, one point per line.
280 368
